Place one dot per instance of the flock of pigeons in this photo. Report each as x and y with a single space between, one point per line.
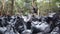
30 24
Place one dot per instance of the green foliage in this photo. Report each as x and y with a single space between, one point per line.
47 6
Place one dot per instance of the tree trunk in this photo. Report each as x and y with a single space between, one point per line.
12 7
35 8
3 3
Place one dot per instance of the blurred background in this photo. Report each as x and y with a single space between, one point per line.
40 7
